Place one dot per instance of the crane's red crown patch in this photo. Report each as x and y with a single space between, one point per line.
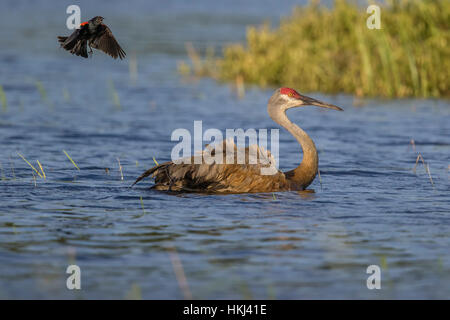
290 92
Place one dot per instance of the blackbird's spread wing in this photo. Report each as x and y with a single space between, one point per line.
106 42
69 42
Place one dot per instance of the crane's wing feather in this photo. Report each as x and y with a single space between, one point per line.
219 176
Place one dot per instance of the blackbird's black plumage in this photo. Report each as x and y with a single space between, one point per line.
92 34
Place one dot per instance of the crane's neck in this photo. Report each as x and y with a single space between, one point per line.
304 174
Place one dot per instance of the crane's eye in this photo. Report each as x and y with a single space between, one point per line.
290 94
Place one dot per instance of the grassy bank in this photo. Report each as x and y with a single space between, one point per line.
331 50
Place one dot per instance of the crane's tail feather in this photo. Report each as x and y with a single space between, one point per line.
149 172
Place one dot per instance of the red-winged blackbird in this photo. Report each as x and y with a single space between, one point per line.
94 34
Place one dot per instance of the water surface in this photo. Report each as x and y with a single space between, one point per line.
370 207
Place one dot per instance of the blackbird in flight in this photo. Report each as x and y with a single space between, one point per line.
92 34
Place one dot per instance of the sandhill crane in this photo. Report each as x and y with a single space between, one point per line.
228 177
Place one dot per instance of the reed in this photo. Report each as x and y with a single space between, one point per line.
142 205
320 179
426 166
120 169
42 169
199 66
40 87
413 144
114 95
32 167
71 160
12 168
135 292
2 175
133 68
179 273
331 50
66 94
3 100
34 179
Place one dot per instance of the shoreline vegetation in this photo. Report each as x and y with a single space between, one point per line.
331 50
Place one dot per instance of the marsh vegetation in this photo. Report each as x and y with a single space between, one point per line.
332 50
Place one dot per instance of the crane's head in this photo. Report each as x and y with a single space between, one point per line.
286 98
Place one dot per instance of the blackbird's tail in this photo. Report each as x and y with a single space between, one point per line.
67 43
62 39
74 43
80 49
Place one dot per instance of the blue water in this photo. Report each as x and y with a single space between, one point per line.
370 207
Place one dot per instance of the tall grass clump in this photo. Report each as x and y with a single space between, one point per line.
332 50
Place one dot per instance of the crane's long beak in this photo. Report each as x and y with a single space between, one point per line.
313 102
